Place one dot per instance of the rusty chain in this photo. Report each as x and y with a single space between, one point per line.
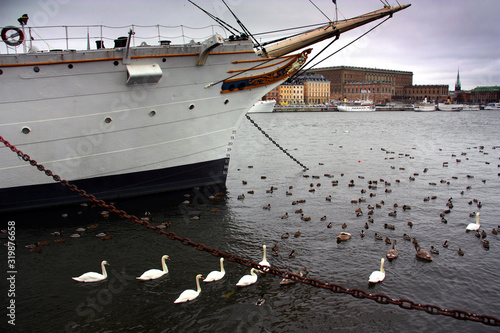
275 143
336 288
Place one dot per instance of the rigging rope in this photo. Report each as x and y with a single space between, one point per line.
336 288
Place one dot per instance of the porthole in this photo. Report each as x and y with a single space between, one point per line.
116 63
164 59
70 66
1 72
107 120
191 107
152 113
231 87
25 130
36 69
241 86
226 101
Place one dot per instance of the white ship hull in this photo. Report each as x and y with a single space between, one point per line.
424 108
263 107
78 117
450 107
356 108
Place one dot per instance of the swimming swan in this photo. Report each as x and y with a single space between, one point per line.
474 226
378 276
92 276
264 261
247 280
155 273
190 294
216 275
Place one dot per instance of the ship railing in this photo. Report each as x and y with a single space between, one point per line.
79 37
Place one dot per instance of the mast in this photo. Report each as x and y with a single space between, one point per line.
332 29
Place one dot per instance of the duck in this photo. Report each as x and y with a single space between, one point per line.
284 216
410 224
264 261
422 254
434 250
330 225
460 252
366 225
285 235
406 237
292 254
483 233
344 225
323 218
297 234
445 244
486 244
92 276
494 231
378 276
152 274
302 272
388 240
275 247
247 280
394 213
216 275
474 226
389 226
362 233
261 300
190 294
377 236
344 236
392 253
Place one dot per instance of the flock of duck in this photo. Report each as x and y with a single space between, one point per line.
392 253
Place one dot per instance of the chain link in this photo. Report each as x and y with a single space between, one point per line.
357 293
276 144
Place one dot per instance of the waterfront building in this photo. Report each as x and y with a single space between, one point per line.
343 79
291 93
316 88
433 92
487 94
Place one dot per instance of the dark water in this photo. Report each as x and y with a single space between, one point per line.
361 146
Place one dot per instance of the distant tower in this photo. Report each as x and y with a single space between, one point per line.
458 85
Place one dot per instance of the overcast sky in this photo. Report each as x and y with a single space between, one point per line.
432 38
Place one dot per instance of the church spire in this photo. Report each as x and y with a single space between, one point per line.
458 85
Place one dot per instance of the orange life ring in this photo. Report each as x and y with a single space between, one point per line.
13 39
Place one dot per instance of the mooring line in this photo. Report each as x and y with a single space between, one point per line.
275 143
336 288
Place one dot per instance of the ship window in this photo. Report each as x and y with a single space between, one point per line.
226 101
36 69
191 107
241 86
107 120
70 66
152 113
26 130
164 59
116 63
1 72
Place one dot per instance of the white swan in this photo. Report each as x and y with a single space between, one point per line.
378 276
264 262
247 280
474 226
190 294
92 276
216 275
155 273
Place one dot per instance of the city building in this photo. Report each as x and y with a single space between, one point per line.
484 95
385 85
316 88
433 92
291 93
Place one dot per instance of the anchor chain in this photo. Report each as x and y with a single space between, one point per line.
336 288
275 143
